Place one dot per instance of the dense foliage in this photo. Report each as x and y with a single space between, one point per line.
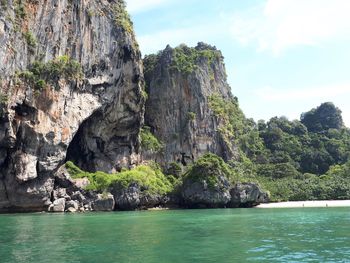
299 160
323 118
308 149
149 177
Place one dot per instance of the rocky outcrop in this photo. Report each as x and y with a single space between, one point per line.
208 183
69 195
58 205
104 202
133 197
180 83
247 195
48 113
200 194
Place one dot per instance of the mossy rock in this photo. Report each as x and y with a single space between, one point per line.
206 184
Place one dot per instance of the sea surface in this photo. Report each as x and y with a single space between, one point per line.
217 235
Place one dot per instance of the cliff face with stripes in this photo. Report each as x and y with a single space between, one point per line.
188 102
70 86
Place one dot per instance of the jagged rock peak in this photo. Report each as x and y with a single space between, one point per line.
189 104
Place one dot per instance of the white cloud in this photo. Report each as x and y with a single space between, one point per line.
281 24
139 6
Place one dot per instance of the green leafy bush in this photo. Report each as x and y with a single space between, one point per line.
149 177
148 141
209 167
174 169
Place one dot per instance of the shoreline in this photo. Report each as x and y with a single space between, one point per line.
301 204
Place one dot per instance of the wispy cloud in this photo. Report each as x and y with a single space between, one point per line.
324 93
139 6
278 25
273 25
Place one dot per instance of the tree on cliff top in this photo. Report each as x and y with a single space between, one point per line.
326 116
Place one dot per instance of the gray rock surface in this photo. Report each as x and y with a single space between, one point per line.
104 202
199 194
59 205
94 120
247 195
177 109
127 198
133 197
72 204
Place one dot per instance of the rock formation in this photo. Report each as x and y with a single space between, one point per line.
71 80
72 89
181 82
247 195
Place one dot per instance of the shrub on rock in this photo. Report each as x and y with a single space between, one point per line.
206 184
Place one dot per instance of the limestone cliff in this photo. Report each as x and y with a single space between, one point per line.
70 81
187 104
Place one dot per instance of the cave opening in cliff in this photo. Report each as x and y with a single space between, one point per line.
77 152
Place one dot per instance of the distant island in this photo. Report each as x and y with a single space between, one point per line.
86 124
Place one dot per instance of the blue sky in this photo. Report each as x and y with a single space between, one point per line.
283 57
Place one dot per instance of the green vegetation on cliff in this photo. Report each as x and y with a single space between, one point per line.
39 74
121 16
150 178
230 115
148 141
30 39
208 167
185 59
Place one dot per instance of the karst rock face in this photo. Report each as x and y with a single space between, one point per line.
180 82
71 87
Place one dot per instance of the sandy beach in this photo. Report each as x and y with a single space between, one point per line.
294 204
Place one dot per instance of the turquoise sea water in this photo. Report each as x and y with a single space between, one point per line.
218 235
